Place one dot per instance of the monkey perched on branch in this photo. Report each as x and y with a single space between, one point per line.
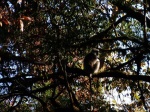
91 62
91 66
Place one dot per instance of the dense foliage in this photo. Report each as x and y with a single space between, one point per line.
43 44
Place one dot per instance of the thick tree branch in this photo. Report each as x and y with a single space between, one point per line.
6 56
115 74
133 13
95 39
119 50
121 38
118 74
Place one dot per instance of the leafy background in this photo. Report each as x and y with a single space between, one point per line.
43 44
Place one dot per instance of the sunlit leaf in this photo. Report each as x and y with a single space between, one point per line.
19 1
114 102
136 96
26 18
21 25
6 22
1 24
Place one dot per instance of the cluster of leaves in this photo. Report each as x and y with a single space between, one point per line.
43 44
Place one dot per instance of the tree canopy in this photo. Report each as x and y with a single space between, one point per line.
43 44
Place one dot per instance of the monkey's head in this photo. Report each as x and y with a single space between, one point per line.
95 51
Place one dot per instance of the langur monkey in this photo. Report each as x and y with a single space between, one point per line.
91 62
91 66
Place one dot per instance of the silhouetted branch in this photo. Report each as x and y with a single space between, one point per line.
6 56
95 39
132 12
115 74
118 74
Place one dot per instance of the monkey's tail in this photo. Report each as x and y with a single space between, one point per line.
91 92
